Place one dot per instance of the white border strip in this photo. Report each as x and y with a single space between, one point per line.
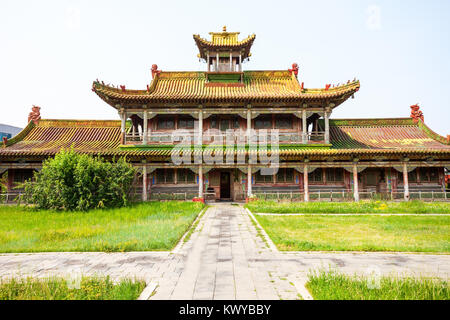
148 291
300 285
272 246
354 214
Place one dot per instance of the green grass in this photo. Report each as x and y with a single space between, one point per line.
415 206
334 286
153 226
359 233
60 289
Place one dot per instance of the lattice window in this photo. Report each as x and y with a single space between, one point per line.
283 122
285 176
165 123
263 122
335 174
316 176
164 176
428 175
185 123
259 178
185 176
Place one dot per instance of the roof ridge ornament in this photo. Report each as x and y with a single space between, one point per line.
294 69
416 114
155 70
35 114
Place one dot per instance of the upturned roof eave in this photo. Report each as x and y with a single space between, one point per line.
204 45
113 97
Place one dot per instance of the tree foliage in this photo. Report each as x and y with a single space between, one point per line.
3 182
73 181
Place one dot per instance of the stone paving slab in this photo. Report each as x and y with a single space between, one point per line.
225 258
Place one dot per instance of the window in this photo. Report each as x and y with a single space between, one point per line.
285 175
412 176
20 176
185 123
185 176
335 175
165 123
428 175
283 122
263 123
164 176
315 176
259 178
236 123
224 124
434 175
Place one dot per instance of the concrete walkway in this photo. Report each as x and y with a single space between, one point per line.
226 258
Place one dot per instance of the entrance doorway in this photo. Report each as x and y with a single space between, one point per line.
225 186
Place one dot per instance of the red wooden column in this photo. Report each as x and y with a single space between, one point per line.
144 183
145 129
10 180
304 126
249 181
123 118
200 181
355 183
306 182
405 181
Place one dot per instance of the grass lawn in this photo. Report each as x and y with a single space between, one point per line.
334 286
349 207
359 233
141 227
60 289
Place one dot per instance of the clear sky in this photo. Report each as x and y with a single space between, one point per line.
51 51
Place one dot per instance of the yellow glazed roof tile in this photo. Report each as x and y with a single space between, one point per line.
192 87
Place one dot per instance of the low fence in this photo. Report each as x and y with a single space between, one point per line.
9 198
329 196
325 196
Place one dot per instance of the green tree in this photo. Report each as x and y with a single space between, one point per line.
73 181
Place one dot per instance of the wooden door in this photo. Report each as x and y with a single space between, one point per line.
225 185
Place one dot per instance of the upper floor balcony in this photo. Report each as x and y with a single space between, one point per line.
223 129
223 138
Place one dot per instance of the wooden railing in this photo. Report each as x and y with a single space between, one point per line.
238 137
349 196
6 198
325 196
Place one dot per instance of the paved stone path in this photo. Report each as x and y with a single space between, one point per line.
226 258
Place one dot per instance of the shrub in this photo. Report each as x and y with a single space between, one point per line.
73 181
3 182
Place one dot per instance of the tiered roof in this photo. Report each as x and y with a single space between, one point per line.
49 136
221 41
348 137
400 133
192 88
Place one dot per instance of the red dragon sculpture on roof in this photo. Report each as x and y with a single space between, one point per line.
35 114
416 114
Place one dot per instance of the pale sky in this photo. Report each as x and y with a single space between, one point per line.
51 51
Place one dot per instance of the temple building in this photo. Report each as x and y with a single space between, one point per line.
220 117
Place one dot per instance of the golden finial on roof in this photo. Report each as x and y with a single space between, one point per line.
224 29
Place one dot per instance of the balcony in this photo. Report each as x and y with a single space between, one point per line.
221 138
